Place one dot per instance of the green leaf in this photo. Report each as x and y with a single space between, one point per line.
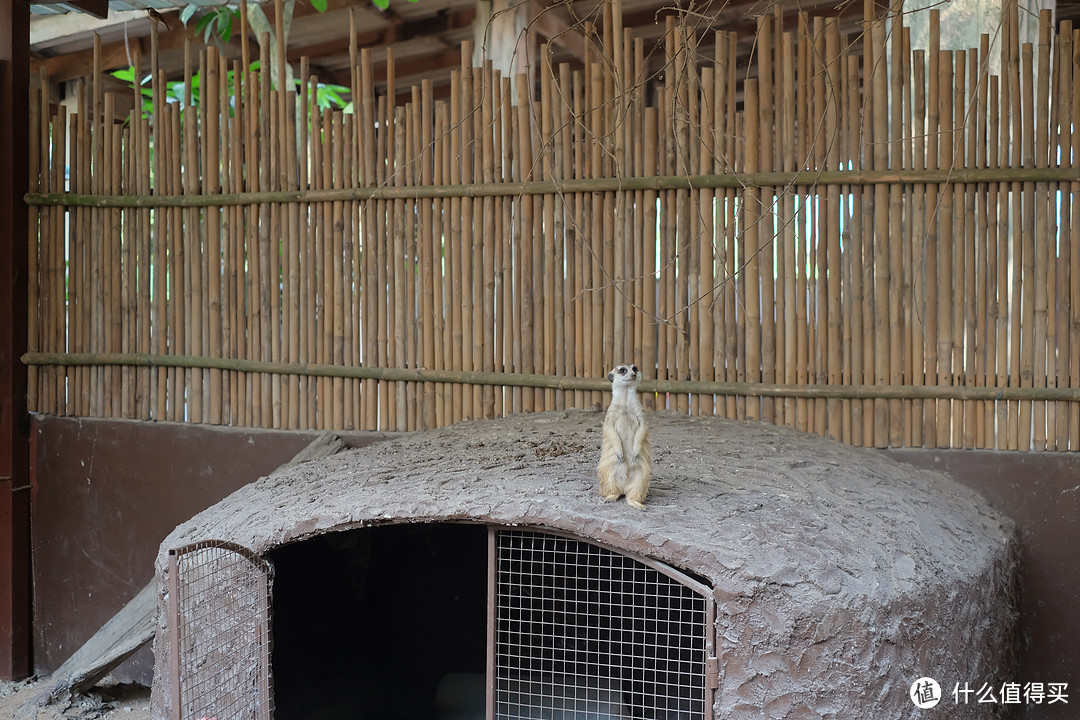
319 5
226 26
204 21
381 4
127 75
187 13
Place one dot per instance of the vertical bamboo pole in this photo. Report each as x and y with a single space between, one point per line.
57 183
436 123
563 338
1018 431
1073 241
919 243
232 261
291 272
1042 412
468 154
767 106
455 272
882 243
946 370
803 152
721 280
178 271
77 248
1026 288
1065 119
652 332
402 266
703 295
110 271
820 148
211 175
528 298
484 341
387 139
369 389
550 241
422 113
984 251
1005 248
898 291
338 153
190 244
682 242
751 263
35 244
96 237
933 114
582 268
851 261
834 311
994 252
414 338
505 257
566 229
733 359
248 228
912 316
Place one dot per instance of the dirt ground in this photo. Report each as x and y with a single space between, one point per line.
109 701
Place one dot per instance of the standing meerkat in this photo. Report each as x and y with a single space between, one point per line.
625 466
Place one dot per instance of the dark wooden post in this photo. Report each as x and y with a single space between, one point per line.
14 421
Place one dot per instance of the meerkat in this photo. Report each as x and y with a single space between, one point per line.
625 466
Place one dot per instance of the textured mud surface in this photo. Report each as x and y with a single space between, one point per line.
840 576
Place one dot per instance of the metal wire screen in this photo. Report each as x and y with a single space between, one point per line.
587 633
220 594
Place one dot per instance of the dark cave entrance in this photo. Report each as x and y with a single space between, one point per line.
368 622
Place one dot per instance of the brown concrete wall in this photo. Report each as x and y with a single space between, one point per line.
106 493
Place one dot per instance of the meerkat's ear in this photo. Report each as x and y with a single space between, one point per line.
611 377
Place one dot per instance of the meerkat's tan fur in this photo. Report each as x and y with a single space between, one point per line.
625 466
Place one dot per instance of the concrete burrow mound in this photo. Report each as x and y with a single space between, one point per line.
838 576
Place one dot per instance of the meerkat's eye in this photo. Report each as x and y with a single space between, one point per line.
634 368
622 370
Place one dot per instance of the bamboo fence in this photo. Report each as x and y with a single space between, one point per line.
858 239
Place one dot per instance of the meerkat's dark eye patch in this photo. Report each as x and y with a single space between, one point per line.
622 370
634 368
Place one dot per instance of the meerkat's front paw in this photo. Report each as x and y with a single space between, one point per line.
635 503
611 498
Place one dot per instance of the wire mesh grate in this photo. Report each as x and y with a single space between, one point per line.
221 601
587 633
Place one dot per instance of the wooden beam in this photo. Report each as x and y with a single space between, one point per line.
81 64
15 618
547 21
396 32
115 55
97 8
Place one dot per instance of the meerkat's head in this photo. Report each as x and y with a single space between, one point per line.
623 374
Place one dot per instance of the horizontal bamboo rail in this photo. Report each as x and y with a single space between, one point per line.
570 186
565 382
